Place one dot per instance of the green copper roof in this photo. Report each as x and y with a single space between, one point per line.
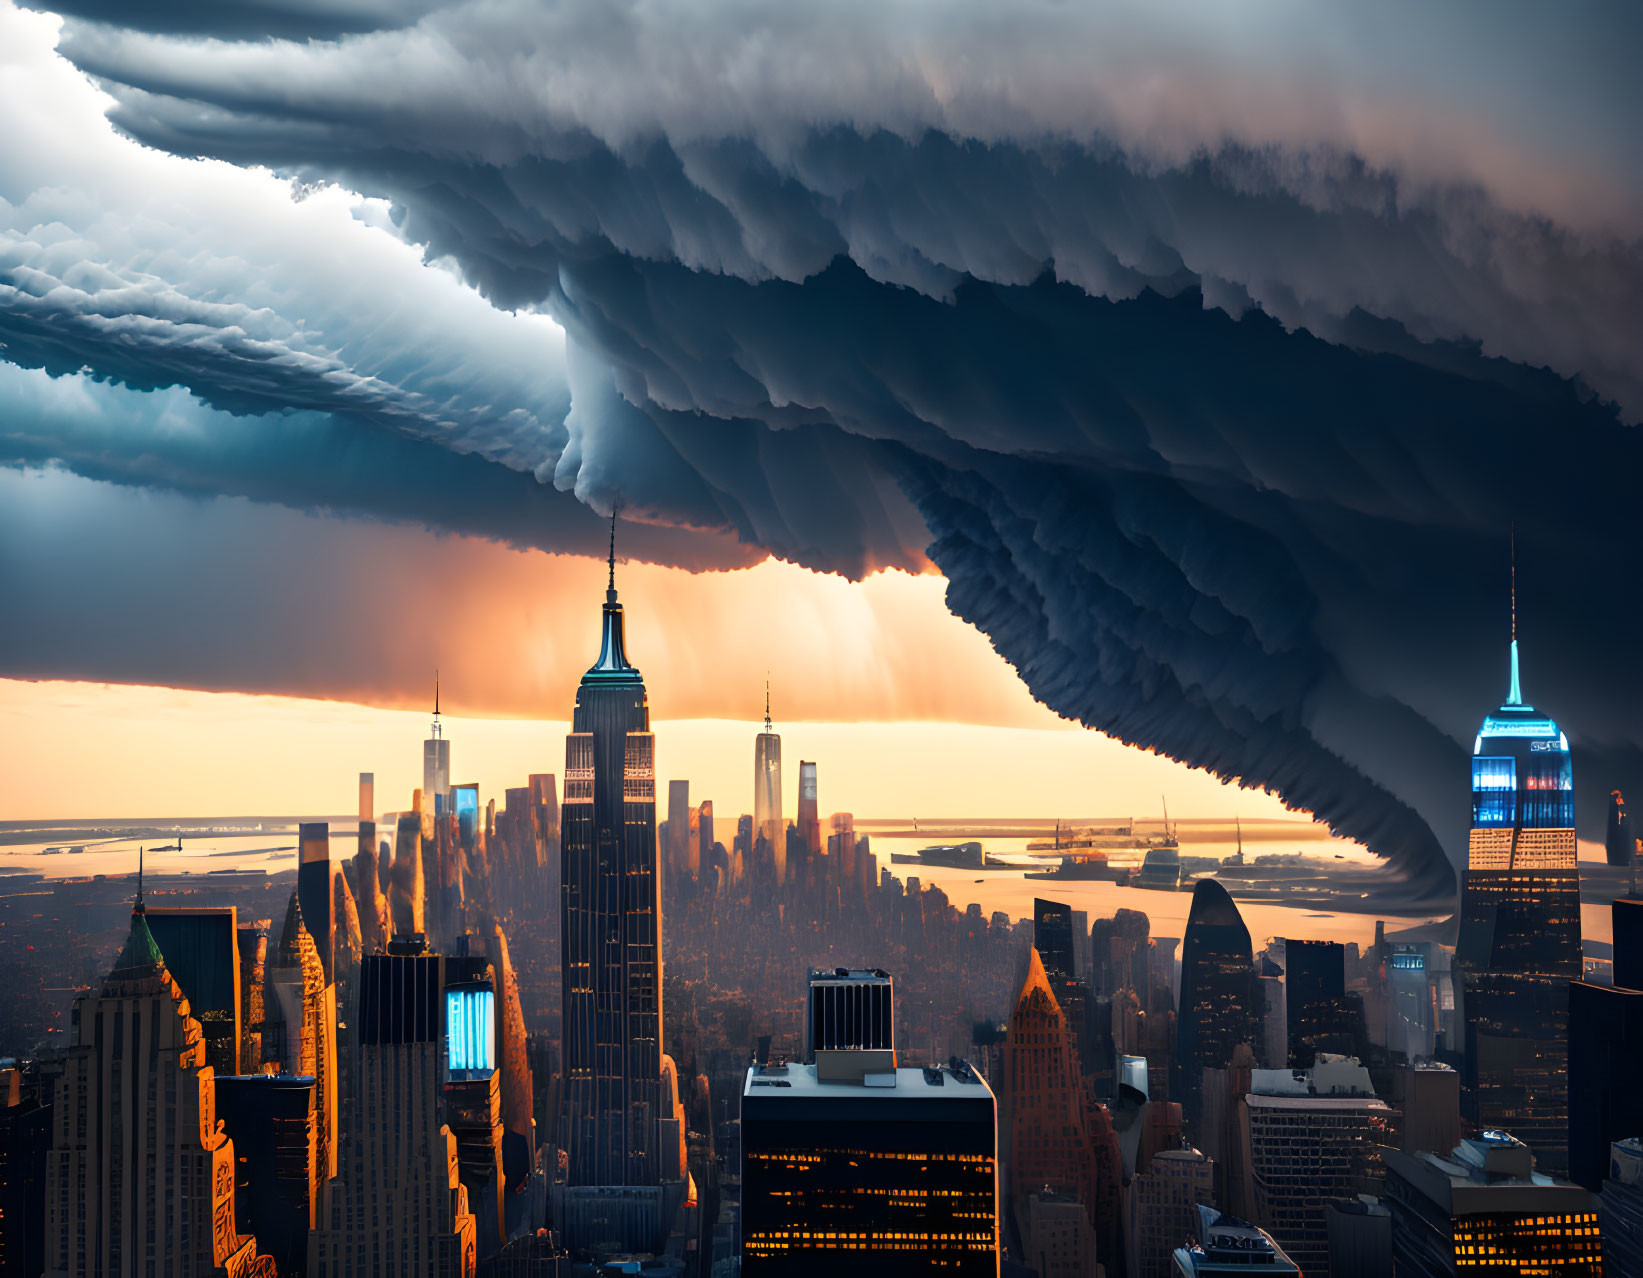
141 957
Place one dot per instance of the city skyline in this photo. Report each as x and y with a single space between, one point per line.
1069 487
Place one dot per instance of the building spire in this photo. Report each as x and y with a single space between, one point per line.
138 907
1514 694
610 589
767 726
436 692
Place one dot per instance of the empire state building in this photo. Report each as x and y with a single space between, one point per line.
1520 928
611 951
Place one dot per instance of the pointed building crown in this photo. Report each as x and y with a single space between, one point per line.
613 665
140 957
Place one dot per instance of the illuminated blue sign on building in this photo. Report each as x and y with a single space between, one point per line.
470 1035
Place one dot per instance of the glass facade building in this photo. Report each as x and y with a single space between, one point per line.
1219 991
1520 928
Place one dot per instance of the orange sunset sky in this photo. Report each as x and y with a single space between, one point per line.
907 710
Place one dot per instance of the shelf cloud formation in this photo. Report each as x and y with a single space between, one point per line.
1210 356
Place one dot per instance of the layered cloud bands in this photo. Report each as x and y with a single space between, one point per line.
1211 364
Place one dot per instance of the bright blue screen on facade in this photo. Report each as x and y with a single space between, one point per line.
469 1035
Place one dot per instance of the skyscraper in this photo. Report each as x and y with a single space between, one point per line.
1053 935
140 1176
1050 1145
300 1025
1315 993
610 939
809 820
1520 928
1312 1136
1605 1055
767 792
436 762
399 1206
681 852
1485 1209
1619 846
851 1165
202 954
1219 993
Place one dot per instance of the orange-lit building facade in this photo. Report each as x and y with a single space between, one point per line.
140 1177
1049 1137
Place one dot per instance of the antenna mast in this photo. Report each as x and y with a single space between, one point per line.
767 726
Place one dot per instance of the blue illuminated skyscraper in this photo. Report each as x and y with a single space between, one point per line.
1520 928
610 941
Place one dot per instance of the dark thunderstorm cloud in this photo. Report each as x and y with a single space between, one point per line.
1220 446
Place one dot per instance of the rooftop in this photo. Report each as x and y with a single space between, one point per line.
798 1082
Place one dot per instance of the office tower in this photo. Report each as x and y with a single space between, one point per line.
809 820
271 1120
375 921
25 1143
1162 1208
436 763
513 1062
1218 990
767 792
1606 1056
1427 1093
252 941
1056 1239
1220 1130
1274 1004
611 969
1050 1145
1485 1209
202 954
849 1010
367 796
850 1165
1620 1210
682 854
1619 845
407 901
1053 939
1519 941
704 832
314 887
473 1091
1312 1136
399 1206
1360 1237
1227 1247
1627 913
1411 1016
1314 987
140 1178
300 1025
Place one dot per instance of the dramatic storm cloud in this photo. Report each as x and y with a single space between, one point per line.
1209 352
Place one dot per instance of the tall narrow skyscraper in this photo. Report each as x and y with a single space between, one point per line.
767 792
436 762
611 951
1219 992
1520 928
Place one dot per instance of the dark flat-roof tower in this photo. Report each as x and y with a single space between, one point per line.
611 949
